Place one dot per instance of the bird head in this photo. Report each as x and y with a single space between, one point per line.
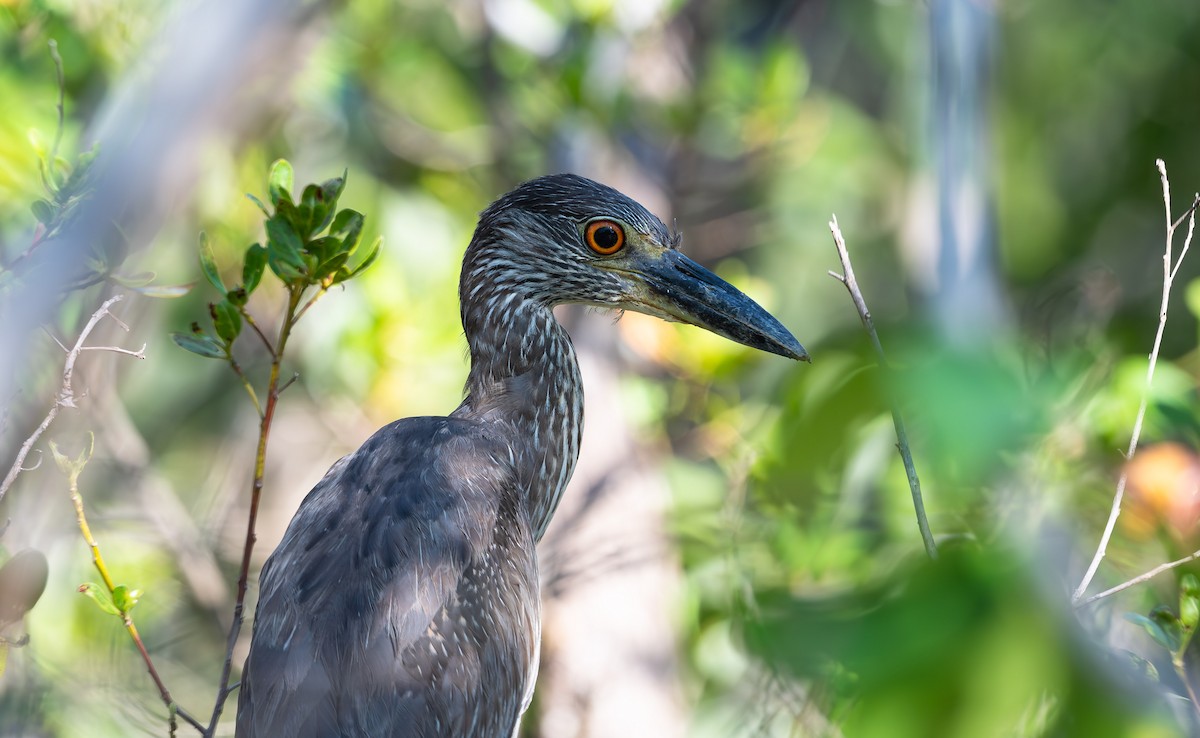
565 239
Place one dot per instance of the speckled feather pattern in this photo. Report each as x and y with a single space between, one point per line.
403 599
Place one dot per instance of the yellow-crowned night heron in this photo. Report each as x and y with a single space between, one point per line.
403 599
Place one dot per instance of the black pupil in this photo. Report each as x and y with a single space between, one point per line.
606 237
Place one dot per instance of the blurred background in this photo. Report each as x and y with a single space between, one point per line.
738 553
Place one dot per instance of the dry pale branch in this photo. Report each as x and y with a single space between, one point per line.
1170 269
66 393
914 483
1145 577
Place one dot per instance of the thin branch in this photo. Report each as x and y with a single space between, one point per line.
292 380
1147 576
139 354
73 470
1187 241
246 316
256 487
35 466
1170 266
66 394
914 483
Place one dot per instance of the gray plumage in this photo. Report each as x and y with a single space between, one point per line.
403 599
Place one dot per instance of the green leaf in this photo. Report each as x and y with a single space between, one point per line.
125 598
1189 602
347 226
331 192
324 248
362 265
43 211
1161 626
200 344
331 265
100 596
260 204
279 181
314 210
252 269
282 240
289 213
284 250
226 319
208 264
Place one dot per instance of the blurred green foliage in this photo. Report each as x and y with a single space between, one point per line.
808 607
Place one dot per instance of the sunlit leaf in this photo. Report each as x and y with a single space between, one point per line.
100 596
125 598
208 264
279 181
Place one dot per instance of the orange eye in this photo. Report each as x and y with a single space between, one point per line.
605 237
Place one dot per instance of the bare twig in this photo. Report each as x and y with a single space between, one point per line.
139 354
246 316
914 483
66 394
1170 268
1145 577
289 383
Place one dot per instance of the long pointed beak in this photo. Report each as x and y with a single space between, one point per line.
680 289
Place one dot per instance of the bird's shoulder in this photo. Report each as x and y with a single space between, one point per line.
427 489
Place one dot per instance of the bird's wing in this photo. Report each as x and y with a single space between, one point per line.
374 553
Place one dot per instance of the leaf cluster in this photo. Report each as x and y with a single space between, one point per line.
309 244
